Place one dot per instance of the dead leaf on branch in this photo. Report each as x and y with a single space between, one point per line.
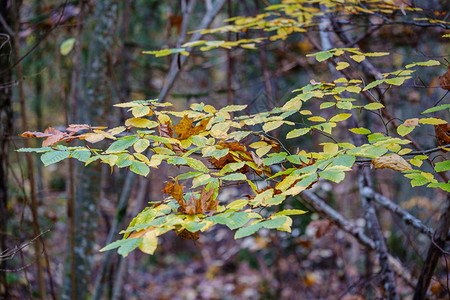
393 161
444 80
174 189
442 133
205 204
187 235
411 122
239 149
185 129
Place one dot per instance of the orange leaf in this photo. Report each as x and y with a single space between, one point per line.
54 137
442 133
174 189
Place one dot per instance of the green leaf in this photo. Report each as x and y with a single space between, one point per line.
129 246
360 130
290 212
54 156
141 145
274 159
297 132
125 246
442 166
81 155
432 121
67 46
340 117
373 106
333 175
122 144
231 108
234 177
236 220
194 226
321 56
374 84
139 168
247 230
437 108
397 80
274 223
442 185
403 130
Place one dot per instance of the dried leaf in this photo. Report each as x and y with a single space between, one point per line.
185 129
393 161
174 189
442 133
411 122
54 137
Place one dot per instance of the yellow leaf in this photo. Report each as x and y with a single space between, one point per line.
353 89
209 109
220 130
432 121
342 65
269 126
261 151
149 242
358 58
316 119
330 148
393 161
258 144
340 117
141 123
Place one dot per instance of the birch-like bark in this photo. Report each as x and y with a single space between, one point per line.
93 95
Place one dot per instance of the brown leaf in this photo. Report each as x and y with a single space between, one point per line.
34 134
442 133
174 189
275 145
393 161
185 128
182 129
165 129
77 127
54 137
205 204
187 235
411 122
241 151
444 80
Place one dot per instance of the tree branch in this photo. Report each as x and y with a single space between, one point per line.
328 212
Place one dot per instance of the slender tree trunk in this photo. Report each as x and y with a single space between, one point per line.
90 110
6 123
434 252
39 245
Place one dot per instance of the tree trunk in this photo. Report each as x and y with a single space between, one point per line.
94 93
6 121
